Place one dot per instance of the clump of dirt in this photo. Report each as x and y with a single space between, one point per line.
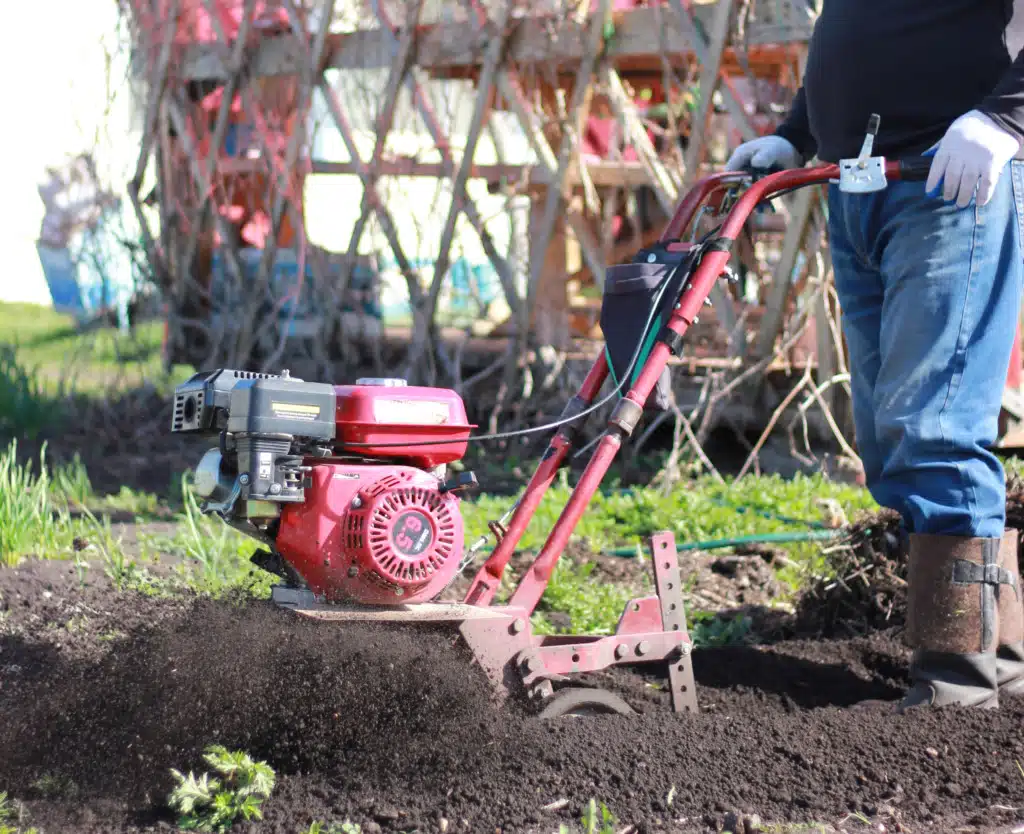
864 587
397 729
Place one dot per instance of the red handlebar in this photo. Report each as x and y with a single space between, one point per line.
766 188
713 262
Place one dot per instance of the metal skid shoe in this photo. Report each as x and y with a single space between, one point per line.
651 630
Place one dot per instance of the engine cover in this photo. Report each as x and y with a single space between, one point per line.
381 535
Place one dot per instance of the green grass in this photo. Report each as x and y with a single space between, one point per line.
55 514
699 510
52 348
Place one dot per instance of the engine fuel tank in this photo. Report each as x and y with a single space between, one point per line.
378 416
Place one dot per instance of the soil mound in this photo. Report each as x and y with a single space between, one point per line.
397 730
865 586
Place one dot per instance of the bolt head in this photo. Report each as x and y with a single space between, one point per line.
243 478
517 626
651 258
357 502
620 651
353 572
275 489
643 648
686 649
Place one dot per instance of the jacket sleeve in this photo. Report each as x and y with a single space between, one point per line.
796 128
1005 104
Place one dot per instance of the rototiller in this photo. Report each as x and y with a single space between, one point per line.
348 486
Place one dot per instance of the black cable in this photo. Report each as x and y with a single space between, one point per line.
591 409
600 404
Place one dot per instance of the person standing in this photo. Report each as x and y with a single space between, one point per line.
929 279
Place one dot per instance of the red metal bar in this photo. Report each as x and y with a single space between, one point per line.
532 586
488 578
694 198
535 581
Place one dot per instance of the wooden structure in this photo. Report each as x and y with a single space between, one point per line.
621 103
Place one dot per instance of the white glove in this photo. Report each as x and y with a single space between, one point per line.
764 152
971 156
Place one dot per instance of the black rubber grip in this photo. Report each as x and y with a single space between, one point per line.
916 167
758 173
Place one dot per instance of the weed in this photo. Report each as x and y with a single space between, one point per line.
214 803
12 814
71 485
26 409
709 630
596 819
335 828
593 607
26 520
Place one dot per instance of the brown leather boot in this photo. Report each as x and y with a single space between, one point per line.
953 620
1010 651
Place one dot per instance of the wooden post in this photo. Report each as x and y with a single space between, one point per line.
544 227
775 309
709 77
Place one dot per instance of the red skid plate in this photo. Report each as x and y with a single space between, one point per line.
651 629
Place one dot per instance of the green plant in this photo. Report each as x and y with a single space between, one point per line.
11 816
335 828
593 607
214 803
26 520
25 408
221 554
71 485
596 819
709 630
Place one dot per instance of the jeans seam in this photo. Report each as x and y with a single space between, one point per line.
971 498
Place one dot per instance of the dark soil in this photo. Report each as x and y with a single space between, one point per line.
102 693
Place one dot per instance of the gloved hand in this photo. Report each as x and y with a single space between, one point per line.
971 155
764 152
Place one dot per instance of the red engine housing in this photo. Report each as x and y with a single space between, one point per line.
381 535
377 414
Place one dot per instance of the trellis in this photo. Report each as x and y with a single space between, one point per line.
547 66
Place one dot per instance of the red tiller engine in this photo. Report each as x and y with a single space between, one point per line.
346 485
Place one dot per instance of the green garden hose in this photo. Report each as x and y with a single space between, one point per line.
717 544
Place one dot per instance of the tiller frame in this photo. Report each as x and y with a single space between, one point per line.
652 629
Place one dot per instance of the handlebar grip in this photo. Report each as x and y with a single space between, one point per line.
758 173
916 168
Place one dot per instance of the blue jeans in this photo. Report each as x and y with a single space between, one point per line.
930 296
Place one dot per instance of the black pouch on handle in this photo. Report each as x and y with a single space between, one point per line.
631 292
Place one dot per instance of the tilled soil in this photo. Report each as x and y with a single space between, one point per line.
102 693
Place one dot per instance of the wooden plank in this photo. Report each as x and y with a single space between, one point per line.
803 205
686 19
388 226
663 184
541 234
222 121
536 40
710 67
396 78
416 81
477 121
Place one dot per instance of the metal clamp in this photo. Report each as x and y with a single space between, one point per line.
866 173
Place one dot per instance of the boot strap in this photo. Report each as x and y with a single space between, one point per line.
990 576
